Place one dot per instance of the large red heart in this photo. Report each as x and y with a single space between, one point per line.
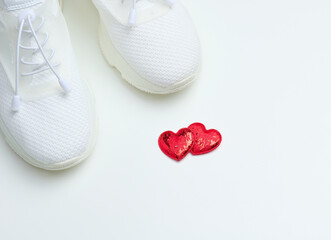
205 140
176 145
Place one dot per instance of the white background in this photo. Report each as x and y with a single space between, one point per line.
265 84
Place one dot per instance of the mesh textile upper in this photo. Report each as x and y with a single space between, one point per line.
55 128
163 51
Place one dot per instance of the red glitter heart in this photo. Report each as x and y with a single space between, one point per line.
176 145
205 140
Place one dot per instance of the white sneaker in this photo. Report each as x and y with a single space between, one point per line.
46 110
153 43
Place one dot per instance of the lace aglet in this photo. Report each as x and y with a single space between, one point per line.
132 18
65 85
16 103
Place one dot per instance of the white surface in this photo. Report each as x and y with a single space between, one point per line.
265 83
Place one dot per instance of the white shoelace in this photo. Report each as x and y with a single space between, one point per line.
133 12
26 18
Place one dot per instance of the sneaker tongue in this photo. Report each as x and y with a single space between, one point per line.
11 5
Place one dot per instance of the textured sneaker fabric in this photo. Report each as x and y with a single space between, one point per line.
52 129
163 51
17 4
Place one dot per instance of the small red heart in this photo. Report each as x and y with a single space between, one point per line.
176 145
205 140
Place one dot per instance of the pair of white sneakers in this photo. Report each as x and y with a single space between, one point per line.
46 110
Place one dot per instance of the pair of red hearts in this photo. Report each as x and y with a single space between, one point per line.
195 139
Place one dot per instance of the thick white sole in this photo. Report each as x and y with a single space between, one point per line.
115 60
